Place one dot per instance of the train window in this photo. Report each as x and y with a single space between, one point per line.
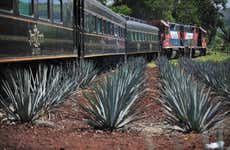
147 37
105 26
156 37
172 27
6 5
86 25
99 25
136 36
43 9
92 23
112 29
129 36
108 27
132 36
57 10
25 7
142 38
119 31
122 34
116 30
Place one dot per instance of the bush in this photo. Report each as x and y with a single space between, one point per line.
187 102
112 103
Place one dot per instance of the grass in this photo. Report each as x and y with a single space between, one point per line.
211 56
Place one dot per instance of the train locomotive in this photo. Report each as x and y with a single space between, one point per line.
179 39
60 29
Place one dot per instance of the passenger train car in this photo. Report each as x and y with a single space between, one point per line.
36 29
104 31
52 29
141 38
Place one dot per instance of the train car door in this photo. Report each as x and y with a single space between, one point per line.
79 26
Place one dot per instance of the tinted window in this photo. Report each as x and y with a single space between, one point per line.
92 23
6 4
57 5
129 36
43 11
105 27
25 7
99 25
87 22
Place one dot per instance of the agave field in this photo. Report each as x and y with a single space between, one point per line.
134 106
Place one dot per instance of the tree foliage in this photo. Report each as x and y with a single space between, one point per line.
205 13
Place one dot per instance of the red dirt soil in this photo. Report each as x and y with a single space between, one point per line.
69 131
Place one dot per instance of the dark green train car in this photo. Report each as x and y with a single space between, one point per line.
36 29
142 38
104 31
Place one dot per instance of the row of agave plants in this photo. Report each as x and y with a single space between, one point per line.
27 93
110 103
215 75
188 103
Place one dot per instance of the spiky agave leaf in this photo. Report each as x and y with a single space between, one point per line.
187 103
88 72
113 102
26 93
71 76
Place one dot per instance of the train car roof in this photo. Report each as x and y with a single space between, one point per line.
174 23
141 26
105 9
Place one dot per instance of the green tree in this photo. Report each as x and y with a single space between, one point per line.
185 11
209 15
122 9
225 35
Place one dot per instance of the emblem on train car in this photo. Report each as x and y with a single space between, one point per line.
35 37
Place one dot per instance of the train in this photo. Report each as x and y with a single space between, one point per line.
180 39
63 29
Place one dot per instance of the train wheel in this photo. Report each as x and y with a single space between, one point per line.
169 53
193 52
204 52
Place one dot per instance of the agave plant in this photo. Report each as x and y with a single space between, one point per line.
112 104
28 94
25 92
213 74
187 102
72 76
88 72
